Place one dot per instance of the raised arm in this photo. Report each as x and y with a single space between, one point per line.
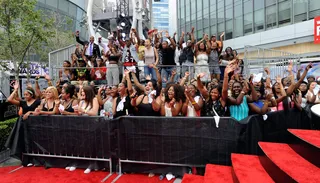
225 86
136 82
78 38
12 97
221 40
129 84
184 79
204 92
122 43
181 40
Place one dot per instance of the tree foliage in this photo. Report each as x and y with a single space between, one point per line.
21 28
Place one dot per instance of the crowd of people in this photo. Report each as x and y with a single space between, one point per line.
181 79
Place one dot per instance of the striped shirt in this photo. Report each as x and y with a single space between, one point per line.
241 111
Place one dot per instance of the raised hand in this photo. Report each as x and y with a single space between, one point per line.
267 70
174 72
47 77
16 85
29 85
269 96
228 69
167 34
126 72
148 77
290 66
278 79
192 29
201 75
309 66
186 74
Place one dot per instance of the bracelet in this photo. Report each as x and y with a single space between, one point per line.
193 103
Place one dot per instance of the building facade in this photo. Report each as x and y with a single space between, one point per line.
164 15
71 9
278 24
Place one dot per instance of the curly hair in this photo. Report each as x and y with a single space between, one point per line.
178 93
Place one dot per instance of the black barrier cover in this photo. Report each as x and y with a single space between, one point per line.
156 139
194 141
62 135
7 110
274 129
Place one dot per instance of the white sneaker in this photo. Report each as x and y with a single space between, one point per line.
68 168
73 168
29 165
169 176
88 170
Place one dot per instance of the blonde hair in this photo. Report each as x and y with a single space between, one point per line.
54 91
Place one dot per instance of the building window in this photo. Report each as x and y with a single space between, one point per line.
247 23
199 5
258 20
220 28
213 30
238 20
270 2
229 27
271 19
284 13
247 4
300 11
314 8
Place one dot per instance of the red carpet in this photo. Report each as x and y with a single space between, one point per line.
310 136
290 162
249 169
59 175
218 173
189 178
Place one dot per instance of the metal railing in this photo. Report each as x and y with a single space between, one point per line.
57 57
257 58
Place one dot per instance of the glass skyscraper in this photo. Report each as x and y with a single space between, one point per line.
243 17
268 23
160 11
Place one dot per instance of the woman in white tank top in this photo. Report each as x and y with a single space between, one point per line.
202 51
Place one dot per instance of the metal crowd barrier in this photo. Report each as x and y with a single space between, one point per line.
180 70
178 141
257 58
69 137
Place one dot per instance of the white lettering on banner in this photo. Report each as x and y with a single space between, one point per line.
33 69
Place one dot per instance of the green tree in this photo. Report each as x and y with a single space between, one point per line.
62 35
21 28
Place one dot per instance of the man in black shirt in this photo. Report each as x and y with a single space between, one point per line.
167 52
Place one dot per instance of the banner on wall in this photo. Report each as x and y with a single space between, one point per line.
317 30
